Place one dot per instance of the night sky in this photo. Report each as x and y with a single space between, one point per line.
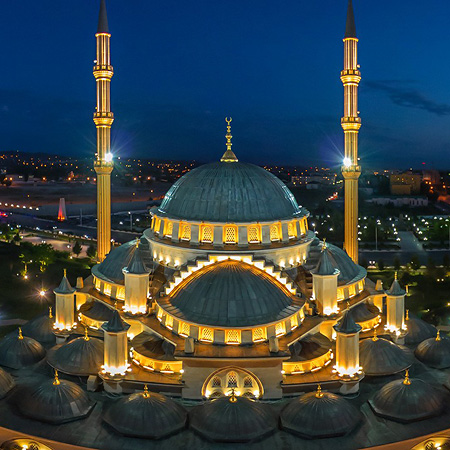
181 67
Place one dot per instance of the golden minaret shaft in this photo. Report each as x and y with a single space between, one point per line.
103 119
351 124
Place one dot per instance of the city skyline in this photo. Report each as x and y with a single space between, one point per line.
277 74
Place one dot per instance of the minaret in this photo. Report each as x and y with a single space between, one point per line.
351 124
103 119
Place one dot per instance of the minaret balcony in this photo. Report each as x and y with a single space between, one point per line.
103 167
351 123
350 76
105 72
103 118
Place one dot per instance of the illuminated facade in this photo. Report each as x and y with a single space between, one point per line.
351 123
103 119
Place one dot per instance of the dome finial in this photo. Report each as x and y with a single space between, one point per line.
56 381
86 335
50 312
319 393
407 314
407 381
228 156
65 272
375 335
233 397
438 335
20 333
146 394
396 275
324 244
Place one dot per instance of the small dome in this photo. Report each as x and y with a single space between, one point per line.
379 357
6 382
232 419
408 400
146 415
54 401
40 329
418 331
319 415
434 352
364 312
17 351
97 311
336 259
82 356
229 192
231 293
310 347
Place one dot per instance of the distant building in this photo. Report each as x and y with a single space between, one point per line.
431 176
316 177
406 183
397 201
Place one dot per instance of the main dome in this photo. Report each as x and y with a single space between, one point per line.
229 192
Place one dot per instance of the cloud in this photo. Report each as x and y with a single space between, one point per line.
402 94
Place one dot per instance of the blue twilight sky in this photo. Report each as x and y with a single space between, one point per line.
181 67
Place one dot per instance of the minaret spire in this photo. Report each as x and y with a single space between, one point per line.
103 119
351 123
350 27
229 155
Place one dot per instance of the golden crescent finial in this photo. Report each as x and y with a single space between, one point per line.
396 276
228 120
65 272
233 396
56 381
50 312
407 381
146 393
375 335
20 333
407 314
86 335
438 335
319 393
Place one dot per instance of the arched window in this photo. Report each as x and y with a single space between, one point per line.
274 234
233 337
232 380
207 234
216 382
292 231
230 235
294 322
248 382
185 329
253 235
185 232
280 329
207 334
258 334
168 229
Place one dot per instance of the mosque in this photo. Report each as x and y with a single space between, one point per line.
227 321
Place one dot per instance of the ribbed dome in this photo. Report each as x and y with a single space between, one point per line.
382 357
434 352
146 415
231 293
17 351
230 192
418 331
78 357
224 420
408 402
40 329
97 311
6 382
319 415
54 403
364 312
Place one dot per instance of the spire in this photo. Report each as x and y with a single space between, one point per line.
347 324
395 289
229 156
64 287
350 27
115 324
102 19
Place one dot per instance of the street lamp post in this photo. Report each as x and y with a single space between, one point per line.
131 220
376 236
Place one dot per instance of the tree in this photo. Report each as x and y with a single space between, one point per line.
415 262
77 248
91 251
380 264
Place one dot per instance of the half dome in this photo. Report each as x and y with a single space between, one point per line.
82 356
146 415
434 352
232 419
379 357
231 294
6 383
229 192
408 400
17 351
54 401
418 330
319 415
40 329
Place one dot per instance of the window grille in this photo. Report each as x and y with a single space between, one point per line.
296 368
121 293
253 235
107 290
216 394
258 334
167 368
232 380
186 232
160 313
169 229
233 337
248 382
207 334
274 236
97 284
280 329
292 232
185 329
294 322
169 321
216 382
207 234
230 235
